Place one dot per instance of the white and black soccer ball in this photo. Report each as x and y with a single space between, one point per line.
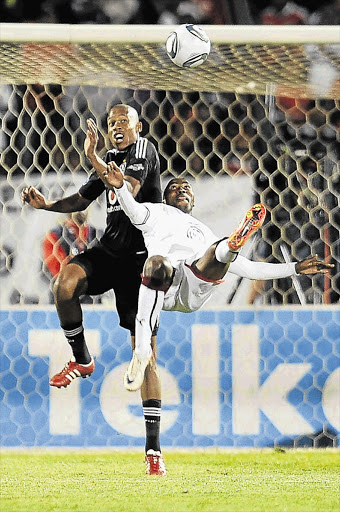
188 46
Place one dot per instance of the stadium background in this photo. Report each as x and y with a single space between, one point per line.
268 371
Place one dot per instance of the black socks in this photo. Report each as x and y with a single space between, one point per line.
152 417
75 336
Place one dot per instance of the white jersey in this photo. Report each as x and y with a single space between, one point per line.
171 233
174 234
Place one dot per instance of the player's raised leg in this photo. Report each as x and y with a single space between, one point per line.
214 264
71 371
70 284
251 222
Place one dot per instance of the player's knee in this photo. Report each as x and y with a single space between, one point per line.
157 273
64 288
69 285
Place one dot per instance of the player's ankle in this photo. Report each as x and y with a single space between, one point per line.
223 254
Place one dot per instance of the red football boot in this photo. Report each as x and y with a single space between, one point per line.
155 463
252 221
71 371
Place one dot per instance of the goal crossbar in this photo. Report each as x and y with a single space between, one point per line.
244 59
219 34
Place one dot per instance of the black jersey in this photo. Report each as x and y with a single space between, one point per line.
140 161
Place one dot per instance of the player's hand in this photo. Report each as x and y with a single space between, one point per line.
33 197
91 140
113 176
313 266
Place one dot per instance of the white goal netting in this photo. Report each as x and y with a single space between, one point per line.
260 120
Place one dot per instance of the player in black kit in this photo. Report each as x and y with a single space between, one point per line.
116 261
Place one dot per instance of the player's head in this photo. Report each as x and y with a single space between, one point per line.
123 126
178 193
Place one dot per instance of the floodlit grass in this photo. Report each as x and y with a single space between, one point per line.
210 481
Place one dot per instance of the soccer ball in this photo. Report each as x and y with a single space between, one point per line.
188 46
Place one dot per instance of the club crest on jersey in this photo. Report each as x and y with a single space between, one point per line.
113 205
195 232
112 198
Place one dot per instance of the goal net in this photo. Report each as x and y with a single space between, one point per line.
259 120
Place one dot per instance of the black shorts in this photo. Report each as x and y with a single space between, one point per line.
120 273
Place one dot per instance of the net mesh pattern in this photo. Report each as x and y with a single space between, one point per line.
245 68
246 124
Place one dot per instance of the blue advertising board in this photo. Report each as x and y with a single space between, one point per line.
232 378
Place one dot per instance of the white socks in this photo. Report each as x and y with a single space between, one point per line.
150 304
223 254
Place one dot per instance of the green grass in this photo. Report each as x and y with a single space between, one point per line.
210 481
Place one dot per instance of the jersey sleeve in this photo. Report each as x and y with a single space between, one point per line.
141 160
92 188
260 270
138 213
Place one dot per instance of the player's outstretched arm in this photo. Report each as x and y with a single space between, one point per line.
261 270
313 266
36 199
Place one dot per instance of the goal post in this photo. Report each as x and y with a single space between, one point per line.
258 121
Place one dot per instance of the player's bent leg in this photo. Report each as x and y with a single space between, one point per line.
214 264
70 284
157 273
226 250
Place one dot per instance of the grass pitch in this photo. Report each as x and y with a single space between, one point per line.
210 481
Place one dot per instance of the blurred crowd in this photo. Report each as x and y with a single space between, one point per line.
215 12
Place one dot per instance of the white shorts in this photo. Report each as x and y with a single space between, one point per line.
188 291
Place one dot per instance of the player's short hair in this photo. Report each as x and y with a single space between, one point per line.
128 108
166 190
168 185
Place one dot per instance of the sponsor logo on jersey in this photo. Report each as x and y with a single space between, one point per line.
135 167
116 208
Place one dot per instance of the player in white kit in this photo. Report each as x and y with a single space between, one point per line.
186 261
